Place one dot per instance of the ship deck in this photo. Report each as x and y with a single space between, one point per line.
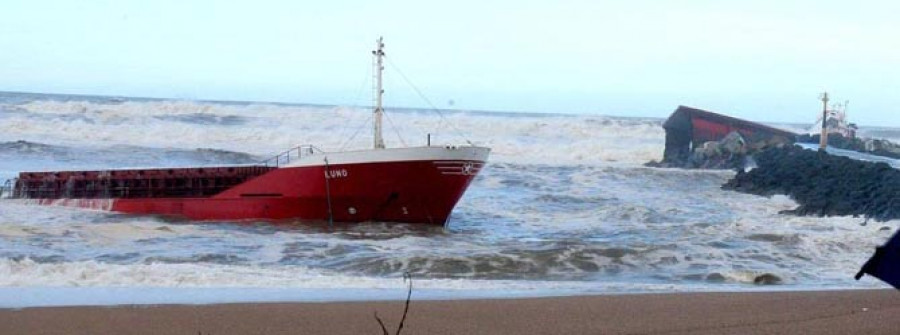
193 182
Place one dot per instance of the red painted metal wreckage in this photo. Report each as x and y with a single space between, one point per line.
407 185
689 128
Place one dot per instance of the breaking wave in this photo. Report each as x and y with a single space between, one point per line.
262 129
33 156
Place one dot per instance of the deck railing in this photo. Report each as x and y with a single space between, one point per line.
292 154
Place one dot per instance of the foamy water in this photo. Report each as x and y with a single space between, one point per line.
264 129
564 207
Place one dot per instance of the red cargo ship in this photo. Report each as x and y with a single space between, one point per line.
410 185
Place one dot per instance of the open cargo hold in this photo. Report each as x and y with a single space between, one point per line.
139 183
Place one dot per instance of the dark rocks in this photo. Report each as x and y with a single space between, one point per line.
823 185
767 279
716 277
878 147
731 152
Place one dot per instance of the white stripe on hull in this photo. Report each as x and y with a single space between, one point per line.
438 154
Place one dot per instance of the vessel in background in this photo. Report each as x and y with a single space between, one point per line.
835 120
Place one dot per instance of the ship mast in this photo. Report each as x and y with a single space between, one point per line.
379 91
823 138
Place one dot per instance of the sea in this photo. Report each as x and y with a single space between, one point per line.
564 207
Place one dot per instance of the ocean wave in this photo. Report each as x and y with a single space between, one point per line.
268 128
117 156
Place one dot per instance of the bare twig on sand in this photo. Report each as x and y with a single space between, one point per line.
381 323
406 276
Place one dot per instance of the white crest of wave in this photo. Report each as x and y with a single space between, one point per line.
28 273
268 128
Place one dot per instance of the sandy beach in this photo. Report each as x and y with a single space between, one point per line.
822 312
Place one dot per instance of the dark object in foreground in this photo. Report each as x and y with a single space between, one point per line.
823 185
885 263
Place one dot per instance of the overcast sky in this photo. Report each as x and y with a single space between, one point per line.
764 60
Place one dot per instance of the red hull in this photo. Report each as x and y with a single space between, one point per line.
405 191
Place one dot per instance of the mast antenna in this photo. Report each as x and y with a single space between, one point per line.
379 91
823 137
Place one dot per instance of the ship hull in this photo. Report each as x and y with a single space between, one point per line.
411 186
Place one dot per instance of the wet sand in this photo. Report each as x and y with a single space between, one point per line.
825 312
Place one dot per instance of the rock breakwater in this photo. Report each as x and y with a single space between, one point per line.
823 184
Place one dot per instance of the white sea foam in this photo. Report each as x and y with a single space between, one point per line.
28 274
267 128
